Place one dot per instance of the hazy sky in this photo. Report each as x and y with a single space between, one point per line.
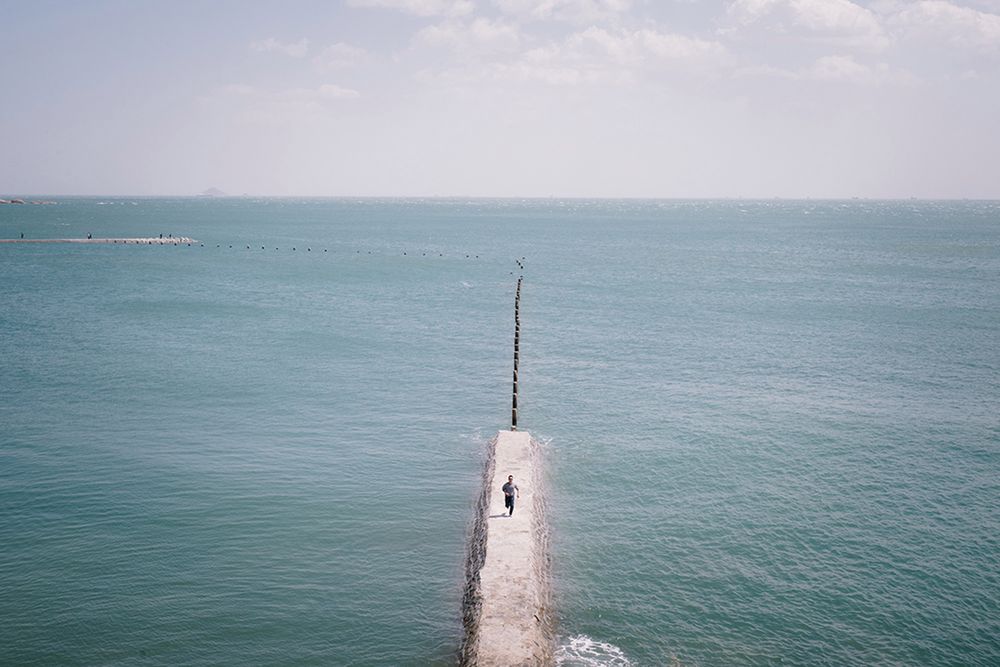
602 98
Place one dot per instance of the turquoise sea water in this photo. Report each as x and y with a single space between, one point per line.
771 428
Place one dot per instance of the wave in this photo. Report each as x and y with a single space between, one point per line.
583 651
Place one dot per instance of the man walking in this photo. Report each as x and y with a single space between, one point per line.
510 491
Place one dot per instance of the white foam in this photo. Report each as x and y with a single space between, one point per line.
154 240
583 651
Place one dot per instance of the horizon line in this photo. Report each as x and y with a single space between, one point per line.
35 196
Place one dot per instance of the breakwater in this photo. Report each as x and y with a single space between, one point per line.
124 241
517 352
508 601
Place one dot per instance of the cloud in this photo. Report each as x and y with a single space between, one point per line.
578 11
340 55
562 65
271 45
323 93
946 24
329 91
845 69
533 69
480 36
837 69
421 7
596 56
834 21
647 47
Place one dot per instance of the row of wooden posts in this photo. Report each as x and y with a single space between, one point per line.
517 352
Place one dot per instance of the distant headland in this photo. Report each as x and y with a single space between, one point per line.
39 202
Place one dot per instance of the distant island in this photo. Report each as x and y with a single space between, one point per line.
212 192
22 201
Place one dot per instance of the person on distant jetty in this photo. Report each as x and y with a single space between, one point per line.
510 491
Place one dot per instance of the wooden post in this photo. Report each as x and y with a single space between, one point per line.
517 353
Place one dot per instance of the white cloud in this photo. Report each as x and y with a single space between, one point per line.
563 64
329 91
421 7
647 46
310 98
595 56
846 69
480 36
340 55
579 11
946 24
534 69
322 93
989 5
839 21
271 45
837 69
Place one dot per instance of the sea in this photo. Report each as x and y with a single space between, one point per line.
770 428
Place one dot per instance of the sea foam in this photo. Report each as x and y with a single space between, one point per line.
584 651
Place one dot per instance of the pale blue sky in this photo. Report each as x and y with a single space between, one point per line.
655 98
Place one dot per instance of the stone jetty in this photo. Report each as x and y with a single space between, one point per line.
123 241
508 600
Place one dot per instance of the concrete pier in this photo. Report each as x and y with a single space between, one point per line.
508 605
152 240
508 600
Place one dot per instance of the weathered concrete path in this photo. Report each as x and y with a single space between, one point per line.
514 624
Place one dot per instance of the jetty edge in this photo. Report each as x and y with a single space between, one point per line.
508 614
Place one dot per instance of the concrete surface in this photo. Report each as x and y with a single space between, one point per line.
513 624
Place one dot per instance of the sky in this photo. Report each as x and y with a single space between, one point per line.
502 98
